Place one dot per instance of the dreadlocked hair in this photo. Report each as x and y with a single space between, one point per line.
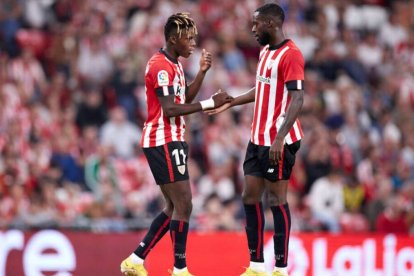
179 23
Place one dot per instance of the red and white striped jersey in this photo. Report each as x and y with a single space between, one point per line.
164 76
279 69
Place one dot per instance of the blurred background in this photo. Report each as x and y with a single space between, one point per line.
72 107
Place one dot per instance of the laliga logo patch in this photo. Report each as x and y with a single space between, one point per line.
162 78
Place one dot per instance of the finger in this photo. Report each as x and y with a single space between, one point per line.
204 52
278 156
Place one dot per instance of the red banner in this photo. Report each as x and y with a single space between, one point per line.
51 252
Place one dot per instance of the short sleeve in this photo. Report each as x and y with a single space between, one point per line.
162 76
294 70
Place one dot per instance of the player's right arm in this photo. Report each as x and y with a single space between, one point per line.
244 98
172 109
161 76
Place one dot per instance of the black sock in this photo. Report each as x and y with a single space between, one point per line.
254 230
282 222
158 228
178 232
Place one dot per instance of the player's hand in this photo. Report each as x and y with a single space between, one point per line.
276 151
205 61
221 98
217 110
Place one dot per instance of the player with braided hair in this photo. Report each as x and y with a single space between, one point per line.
169 97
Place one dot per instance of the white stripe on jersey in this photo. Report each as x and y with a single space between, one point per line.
272 98
174 136
159 133
146 134
165 90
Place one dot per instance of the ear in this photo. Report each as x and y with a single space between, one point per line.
270 23
173 39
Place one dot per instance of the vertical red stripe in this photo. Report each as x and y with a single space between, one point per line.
257 112
169 164
300 128
259 230
285 217
292 134
154 239
281 163
181 226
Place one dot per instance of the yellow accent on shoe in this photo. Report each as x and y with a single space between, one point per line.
130 269
251 272
278 273
183 273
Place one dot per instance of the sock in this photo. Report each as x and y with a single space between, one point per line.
178 232
259 267
254 231
282 270
178 270
135 259
157 230
282 222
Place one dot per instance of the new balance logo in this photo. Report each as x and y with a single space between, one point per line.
270 170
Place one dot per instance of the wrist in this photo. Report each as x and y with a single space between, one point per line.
207 104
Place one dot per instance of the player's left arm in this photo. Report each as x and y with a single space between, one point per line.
294 80
194 86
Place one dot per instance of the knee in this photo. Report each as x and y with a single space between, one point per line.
168 210
249 198
184 207
276 199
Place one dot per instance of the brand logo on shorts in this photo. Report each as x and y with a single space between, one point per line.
270 170
142 244
181 169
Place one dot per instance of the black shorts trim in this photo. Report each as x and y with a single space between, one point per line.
257 162
168 162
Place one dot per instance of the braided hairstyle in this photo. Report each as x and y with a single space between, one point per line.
179 23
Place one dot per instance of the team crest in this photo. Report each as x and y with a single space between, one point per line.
181 169
162 78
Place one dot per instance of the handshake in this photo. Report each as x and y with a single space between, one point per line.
220 100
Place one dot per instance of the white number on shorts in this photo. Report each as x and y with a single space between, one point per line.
177 156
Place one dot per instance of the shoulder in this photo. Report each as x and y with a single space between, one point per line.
293 50
293 55
159 64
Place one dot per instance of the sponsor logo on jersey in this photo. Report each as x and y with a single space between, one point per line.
162 78
263 79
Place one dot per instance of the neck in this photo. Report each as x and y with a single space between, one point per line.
170 51
277 39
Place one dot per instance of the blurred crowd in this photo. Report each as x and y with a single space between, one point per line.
72 107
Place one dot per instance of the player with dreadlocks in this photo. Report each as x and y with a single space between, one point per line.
169 97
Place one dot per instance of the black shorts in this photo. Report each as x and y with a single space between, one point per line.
168 162
257 162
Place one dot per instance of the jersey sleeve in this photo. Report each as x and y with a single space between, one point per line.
294 70
162 76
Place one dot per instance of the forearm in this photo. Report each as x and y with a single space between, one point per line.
244 98
194 87
292 114
176 110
